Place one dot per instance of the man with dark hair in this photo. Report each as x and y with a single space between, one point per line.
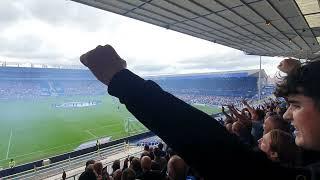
91 161
301 88
192 132
160 146
115 165
146 147
128 174
136 166
177 169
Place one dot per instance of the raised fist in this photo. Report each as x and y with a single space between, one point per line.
104 62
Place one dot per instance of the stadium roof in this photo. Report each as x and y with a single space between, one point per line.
288 28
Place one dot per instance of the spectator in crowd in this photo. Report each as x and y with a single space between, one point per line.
177 168
146 163
98 169
125 164
117 174
136 166
274 121
162 152
146 147
89 174
151 155
280 147
159 159
91 161
145 153
130 159
170 152
115 166
128 174
288 65
148 173
64 175
301 88
155 165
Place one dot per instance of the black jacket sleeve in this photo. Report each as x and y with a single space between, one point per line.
198 138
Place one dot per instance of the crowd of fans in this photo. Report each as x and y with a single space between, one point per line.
19 89
24 89
264 129
154 164
208 100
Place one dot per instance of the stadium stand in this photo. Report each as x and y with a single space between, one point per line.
210 89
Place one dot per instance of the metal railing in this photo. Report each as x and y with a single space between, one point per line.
106 164
68 164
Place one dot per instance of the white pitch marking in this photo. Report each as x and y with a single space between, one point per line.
91 133
9 144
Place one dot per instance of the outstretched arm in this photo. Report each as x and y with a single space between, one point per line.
193 134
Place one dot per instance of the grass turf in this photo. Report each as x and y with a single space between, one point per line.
34 129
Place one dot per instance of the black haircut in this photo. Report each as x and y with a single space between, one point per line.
88 175
160 146
303 80
260 114
280 122
91 161
146 147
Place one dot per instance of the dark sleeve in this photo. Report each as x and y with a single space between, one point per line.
198 138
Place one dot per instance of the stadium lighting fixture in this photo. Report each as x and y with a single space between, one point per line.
268 23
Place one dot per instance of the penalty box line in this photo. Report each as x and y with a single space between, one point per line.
88 131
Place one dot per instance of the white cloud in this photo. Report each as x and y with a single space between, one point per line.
58 32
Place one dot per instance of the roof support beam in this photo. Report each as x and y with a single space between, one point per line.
137 7
251 23
198 15
236 25
300 13
279 14
146 2
183 22
257 13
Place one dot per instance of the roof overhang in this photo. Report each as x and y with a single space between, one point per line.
288 28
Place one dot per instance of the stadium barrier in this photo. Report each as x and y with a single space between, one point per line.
107 164
29 167
69 164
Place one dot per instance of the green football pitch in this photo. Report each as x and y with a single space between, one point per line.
36 129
